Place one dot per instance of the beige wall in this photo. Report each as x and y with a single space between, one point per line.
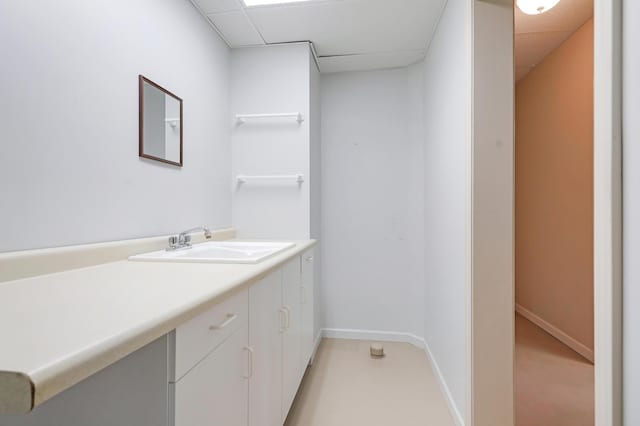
554 188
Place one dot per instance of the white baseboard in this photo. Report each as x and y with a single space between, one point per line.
453 408
419 342
383 336
556 332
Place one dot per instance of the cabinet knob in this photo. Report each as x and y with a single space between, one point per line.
309 259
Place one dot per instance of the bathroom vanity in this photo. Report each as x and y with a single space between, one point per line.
242 361
152 343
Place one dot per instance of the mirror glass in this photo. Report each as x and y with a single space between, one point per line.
160 123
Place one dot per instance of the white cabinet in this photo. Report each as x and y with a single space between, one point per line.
292 337
215 391
266 326
213 387
307 306
197 338
241 363
281 339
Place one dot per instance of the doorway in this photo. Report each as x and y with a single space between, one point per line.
491 243
554 215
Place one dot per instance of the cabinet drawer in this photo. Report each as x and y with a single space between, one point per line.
215 392
196 338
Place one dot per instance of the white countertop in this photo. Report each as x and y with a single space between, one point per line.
58 329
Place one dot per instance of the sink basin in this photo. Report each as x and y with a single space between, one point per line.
218 252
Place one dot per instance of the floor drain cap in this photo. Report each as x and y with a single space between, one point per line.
377 350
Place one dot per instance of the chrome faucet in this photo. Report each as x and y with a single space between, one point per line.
183 240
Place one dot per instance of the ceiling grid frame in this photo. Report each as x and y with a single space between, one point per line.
380 39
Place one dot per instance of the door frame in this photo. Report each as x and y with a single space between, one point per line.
607 236
608 211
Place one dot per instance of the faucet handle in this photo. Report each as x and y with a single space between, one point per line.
187 239
173 241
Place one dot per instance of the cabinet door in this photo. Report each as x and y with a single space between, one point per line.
266 326
307 302
215 391
292 342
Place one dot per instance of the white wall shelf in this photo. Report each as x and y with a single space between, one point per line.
299 178
243 118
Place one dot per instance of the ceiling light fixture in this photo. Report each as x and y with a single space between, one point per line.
534 7
252 3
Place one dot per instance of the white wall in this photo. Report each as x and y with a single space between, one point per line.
395 151
631 213
447 106
415 185
69 84
371 211
265 80
315 115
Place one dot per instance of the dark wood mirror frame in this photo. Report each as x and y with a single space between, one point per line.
141 81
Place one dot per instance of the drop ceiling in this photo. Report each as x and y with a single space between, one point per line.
538 35
348 35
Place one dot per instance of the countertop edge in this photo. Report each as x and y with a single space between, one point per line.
17 396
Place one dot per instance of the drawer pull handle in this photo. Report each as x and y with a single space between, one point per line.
229 320
283 319
287 316
309 259
250 352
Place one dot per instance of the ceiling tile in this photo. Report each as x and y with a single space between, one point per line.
236 29
218 6
333 64
351 26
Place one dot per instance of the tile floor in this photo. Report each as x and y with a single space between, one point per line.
345 386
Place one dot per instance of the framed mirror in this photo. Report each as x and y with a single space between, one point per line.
160 123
